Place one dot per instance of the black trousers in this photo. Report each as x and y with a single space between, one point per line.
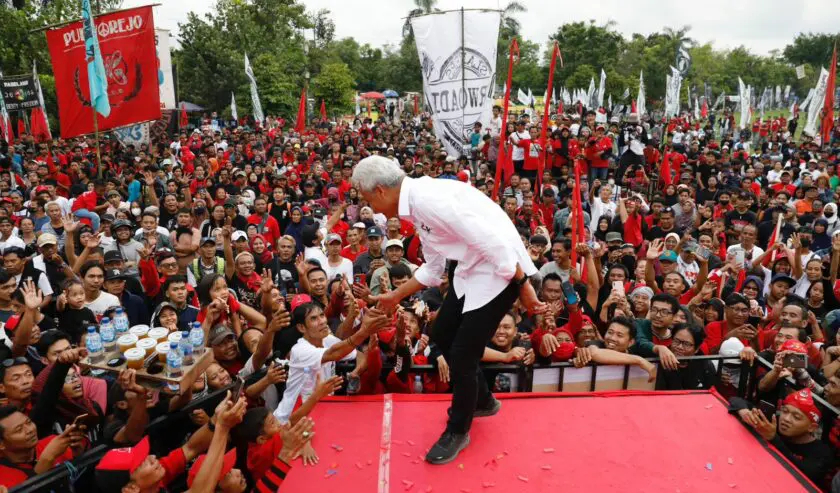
462 338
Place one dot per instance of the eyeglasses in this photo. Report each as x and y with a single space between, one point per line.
169 265
660 312
677 343
71 377
8 363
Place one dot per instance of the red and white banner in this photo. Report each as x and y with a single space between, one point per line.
127 41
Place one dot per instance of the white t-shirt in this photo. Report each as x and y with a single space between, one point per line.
689 271
300 382
597 209
42 281
13 241
317 254
519 152
102 303
344 268
269 395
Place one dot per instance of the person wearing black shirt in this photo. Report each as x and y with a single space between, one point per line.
281 209
710 193
238 221
667 224
736 220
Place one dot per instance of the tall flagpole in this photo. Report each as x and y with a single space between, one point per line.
544 127
500 159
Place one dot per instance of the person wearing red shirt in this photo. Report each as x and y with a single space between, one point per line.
784 184
86 205
597 153
354 237
532 153
265 223
633 227
735 325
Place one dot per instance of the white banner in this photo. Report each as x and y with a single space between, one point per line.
673 83
744 96
816 105
800 72
255 96
458 78
787 93
590 94
133 135
233 112
165 80
640 99
601 88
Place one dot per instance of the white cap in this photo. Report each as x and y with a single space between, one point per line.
239 235
731 347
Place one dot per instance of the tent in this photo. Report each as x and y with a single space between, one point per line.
390 93
372 95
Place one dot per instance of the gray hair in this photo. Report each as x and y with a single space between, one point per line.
375 171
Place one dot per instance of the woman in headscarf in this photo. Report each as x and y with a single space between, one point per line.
821 239
830 215
295 228
263 256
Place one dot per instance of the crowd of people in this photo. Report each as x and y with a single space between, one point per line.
699 239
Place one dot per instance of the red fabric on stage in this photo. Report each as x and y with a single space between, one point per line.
603 441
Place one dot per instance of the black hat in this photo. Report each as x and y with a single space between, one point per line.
111 274
374 232
113 256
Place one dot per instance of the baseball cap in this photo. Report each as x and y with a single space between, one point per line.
208 239
112 193
359 225
614 236
113 256
731 347
332 237
41 189
115 468
668 256
122 223
804 401
394 242
784 278
47 239
685 176
219 333
230 203
794 346
374 231
299 299
227 464
239 235
112 274
108 218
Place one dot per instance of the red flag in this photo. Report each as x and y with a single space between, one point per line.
416 112
501 160
774 238
578 228
300 122
39 126
323 110
7 129
665 171
183 121
560 108
127 41
828 107
633 106
544 129
21 127
704 111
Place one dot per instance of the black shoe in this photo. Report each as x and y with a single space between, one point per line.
491 410
447 448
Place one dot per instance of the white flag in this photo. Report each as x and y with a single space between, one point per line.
601 89
804 105
696 108
233 112
640 99
787 93
816 107
456 96
358 110
590 94
5 122
255 97
778 96
522 97
673 83
626 93
800 72
531 98
609 104
744 97
553 97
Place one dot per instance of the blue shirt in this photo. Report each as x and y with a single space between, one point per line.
134 191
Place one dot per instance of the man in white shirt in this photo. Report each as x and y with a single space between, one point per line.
519 152
489 268
495 125
602 205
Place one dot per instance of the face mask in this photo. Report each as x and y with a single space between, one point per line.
724 202
611 181
136 211
829 214
199 211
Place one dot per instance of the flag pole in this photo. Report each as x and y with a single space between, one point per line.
501 158
96 139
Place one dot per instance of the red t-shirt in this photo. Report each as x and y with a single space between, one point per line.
348 253
12 474
174 464
86 200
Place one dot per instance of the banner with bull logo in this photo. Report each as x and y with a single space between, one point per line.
127 42
457 52
19 93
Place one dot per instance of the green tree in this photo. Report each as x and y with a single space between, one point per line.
581 76
810 48
335 86
588 44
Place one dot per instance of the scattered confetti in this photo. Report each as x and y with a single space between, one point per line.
334 465
406 454
330 473
406 482
487 484
709 406
730 461
359 465
338 448
500 456
369 462
732 485
461 466
397 442
409 442
415 461
409 486
522 478
548 450
709 466
546 467
505 452
491 462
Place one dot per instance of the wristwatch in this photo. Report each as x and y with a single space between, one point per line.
521 282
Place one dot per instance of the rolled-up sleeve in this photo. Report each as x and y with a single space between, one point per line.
429 274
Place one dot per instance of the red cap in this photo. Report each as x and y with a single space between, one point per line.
300 299
794 347
227 465
463 176
804 401
115 469
41 189
564 351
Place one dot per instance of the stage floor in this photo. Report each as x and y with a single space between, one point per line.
613 441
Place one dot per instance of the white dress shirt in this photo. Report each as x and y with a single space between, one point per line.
456 221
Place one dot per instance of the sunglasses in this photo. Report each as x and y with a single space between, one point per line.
8 363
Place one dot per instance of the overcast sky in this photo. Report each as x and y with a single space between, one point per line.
760 25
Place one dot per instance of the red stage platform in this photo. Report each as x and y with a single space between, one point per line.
613 441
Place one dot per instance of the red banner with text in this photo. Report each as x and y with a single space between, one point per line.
127 42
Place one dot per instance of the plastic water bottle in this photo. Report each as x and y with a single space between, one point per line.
197 339
107 334
418 384
120 322
173 361
93 343
186 348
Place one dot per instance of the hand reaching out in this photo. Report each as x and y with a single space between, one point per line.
32 296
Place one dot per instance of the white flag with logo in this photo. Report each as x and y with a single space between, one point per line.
233 112
590 94
135 135
800 71
458 80
640 99
165 80
673 83
602 88
744 94
255 97
816 106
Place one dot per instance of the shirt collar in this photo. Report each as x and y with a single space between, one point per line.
405 190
